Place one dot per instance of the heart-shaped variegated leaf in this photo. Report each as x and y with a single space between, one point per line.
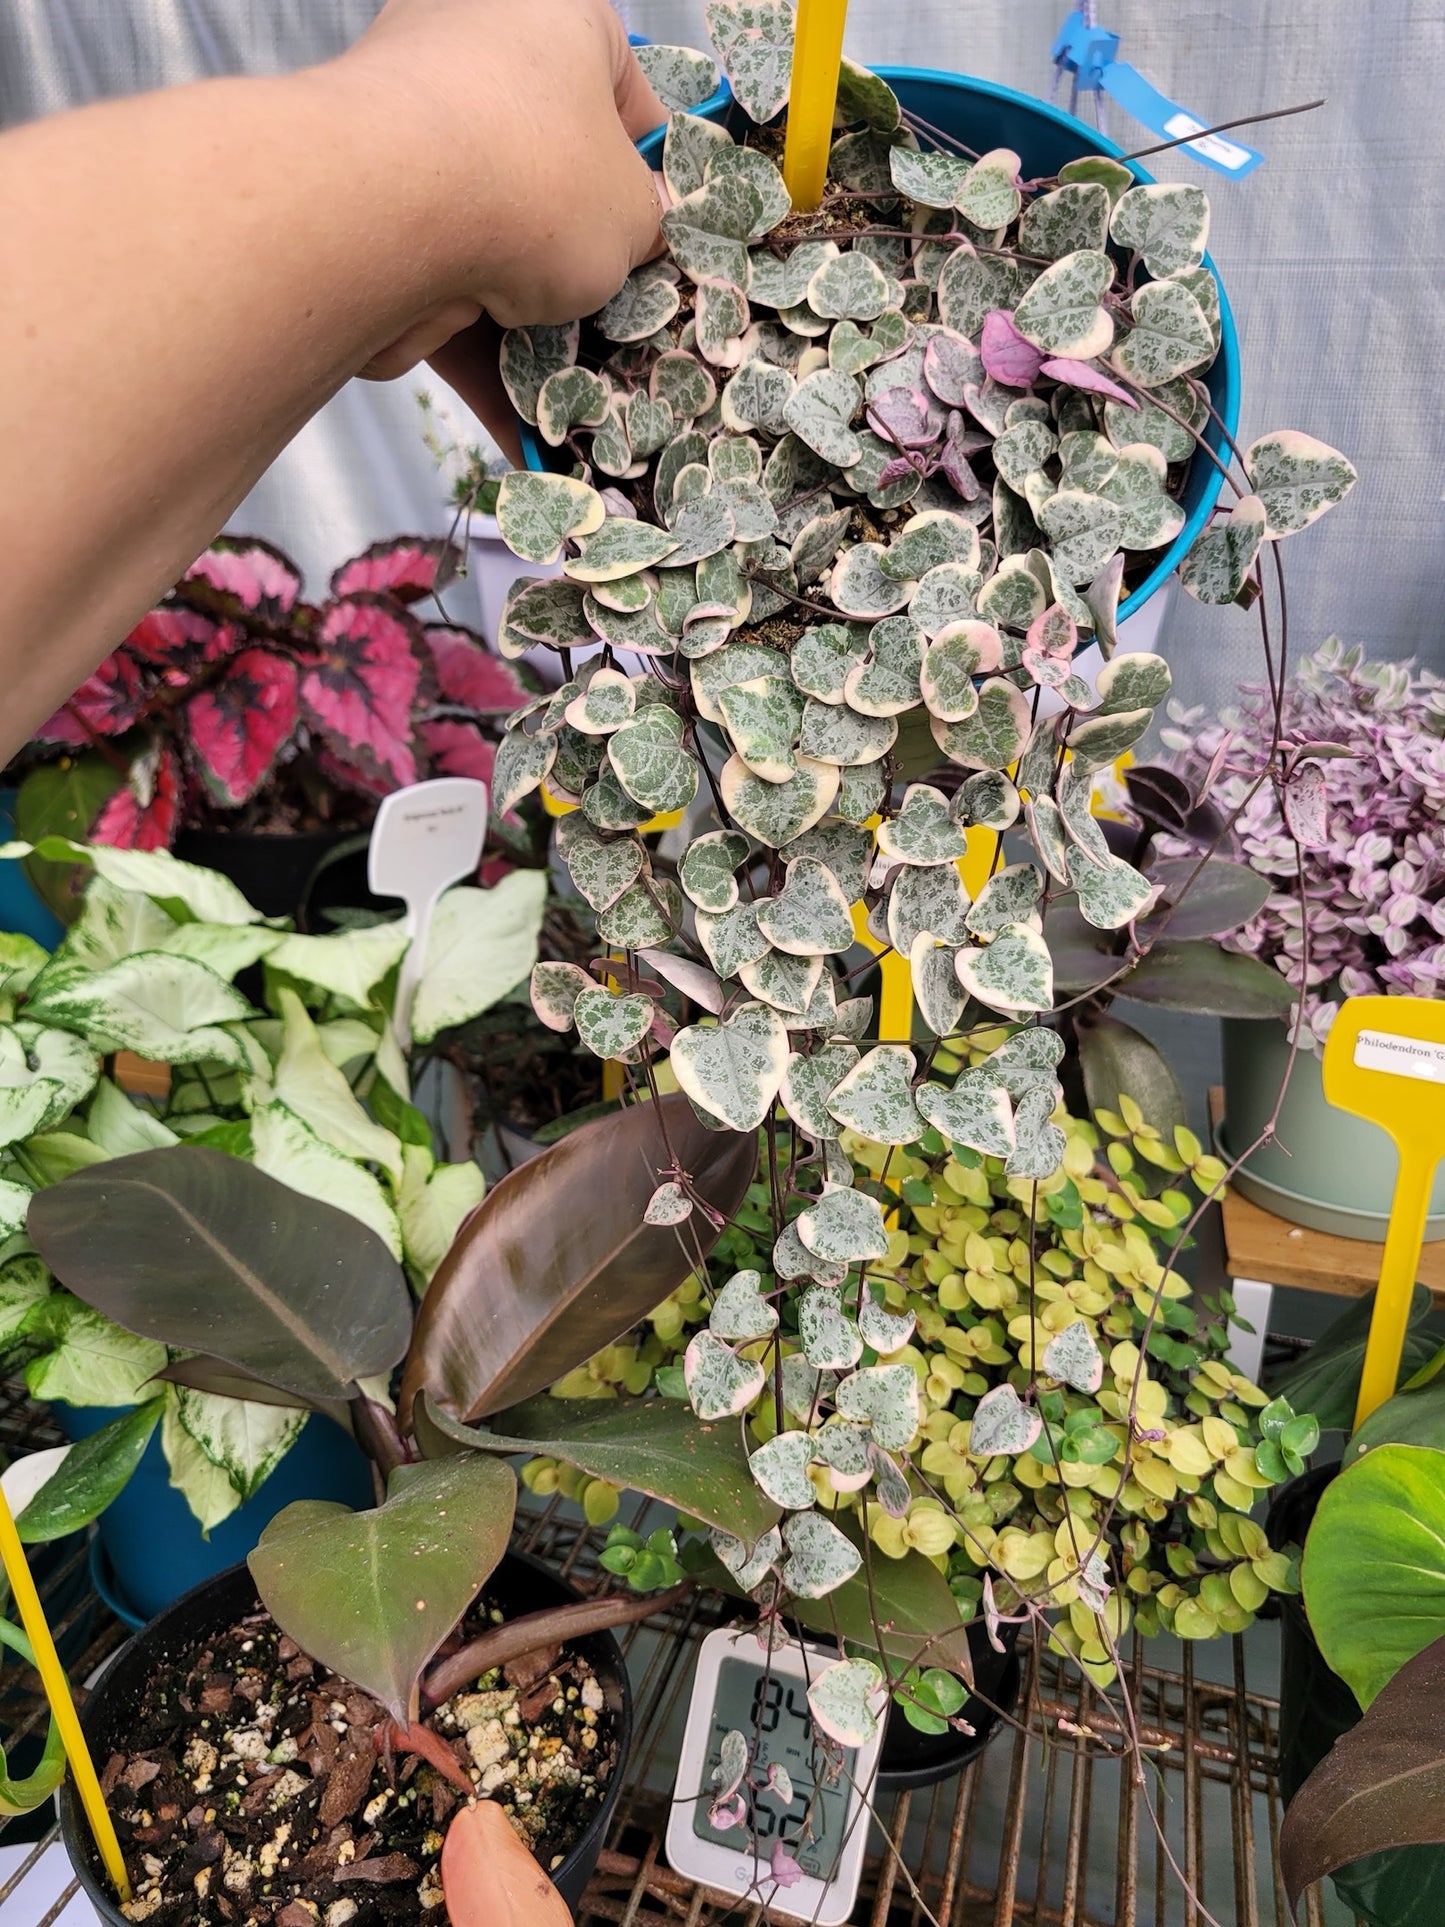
1038 1143
781 1470
858 586
732 938
1138 680
529 355
989 194
777 812
669 1204
1011 895
876 1097
719 1383
820 1558
522 763
1012 599
808 1083
740 1312
956 655
1084 529
733 1070
555 988
763 718
988 799
753 40
843 1226
887 683
689 145
651 761
1021 451
610 1024
753 166
1112 894
932 900
600 868
708 870
816 543
1073 216
541 611
1297 479
570 398
1152 517
830 1339
850 286
621 546
936 988
931 180
892 1490
1087 461
1061 312
847 1700
749 1565
1002 1425
1170 335
789 984
1013 973
1217 567
850 350
681 77
923 832
1167 224
845 1449
1097 740
833 733
792 1260
972 285
994 735
820 411
644 917
886 1331
536 514
809 916
1074 1358
976 1112
884 1397
1031 1056
757 394
1048 836
951 366
607 702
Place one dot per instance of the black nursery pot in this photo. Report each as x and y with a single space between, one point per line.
299 876
911 1759
1315 1705
519 1585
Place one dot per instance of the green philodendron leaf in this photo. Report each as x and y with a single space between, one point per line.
536 513
1061 312
1326 1381
1296 478
24 1795
62 799
89 1476
733 1070
1206 899
1374 1565
1167 224
754 42
1171 334
1216 568
1414 1416
1211 982
373 1594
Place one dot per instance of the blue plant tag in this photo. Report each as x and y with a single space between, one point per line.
1169 120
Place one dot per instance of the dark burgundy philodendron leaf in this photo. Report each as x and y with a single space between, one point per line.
245 572
1007 356
238 725
558 1260
144 813
407 567
468 674
1381 1786
359 696
1083 374
907 417
458 749
106 704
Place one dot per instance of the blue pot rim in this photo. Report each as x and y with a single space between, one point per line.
1216 436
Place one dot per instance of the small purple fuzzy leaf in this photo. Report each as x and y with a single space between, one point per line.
1083 374
1006 355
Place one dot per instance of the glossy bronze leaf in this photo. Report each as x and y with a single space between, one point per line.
559 1261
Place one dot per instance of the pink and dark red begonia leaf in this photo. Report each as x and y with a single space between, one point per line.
469 675
360 693
239 724
248 572
144 813
106 704
458 749
407 567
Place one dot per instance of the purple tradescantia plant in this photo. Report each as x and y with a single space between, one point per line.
1365 797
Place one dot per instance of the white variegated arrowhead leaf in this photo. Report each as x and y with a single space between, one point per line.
753 166
989 194
1073 216
609 1023
820 1558
1166 223
892 1488
537 513
1038 1144
733 1070
792 1260
780 1470
1013 973
732 938
976 1112
1061 312
1152 517
1297 479
777 812
886 1331
847 1700
669 1204
858 586
1112 894
621 546
555 988
923 832
1217 567
789 984
993 737
850 286
821 408
651 761
884 1397
876 1098
1011 895
754 41
1171 334
1073 1356
522 763
829 1337
719 1383
808 1083
707 871
601 869
958 653
936 987
740 1312
763 717
843 1226
689 145
1002 1425
1084 531
749 1566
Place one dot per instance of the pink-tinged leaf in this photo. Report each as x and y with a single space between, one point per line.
898 470
260 577
347 776
239 724
178 641
783 1867
145 812
727 1813
492 869
1083 374
359 696
991 1620
408 567
490 1877
954 461
1049 646
106 704
908 417
469 674
1006 355
459 749
1306 806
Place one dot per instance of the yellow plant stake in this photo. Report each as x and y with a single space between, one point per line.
817 56
62 1707
1384 1060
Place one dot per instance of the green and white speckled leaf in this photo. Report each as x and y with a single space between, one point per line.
876 1099
1171 334
604 705
1087 461
1166 223
820 1559
932 900
719 1383
754 167
522 763
600 870
1039 1148
971 285
737 662
850 286
1073 1357
609 1023
1046 833
1101 598
946 594
733 1070
1136 680
777 812
1297 478
1012 599
644 917
1152 518
884 1330
885 1398
607 806
555 988
1112 894
1013 973
816 543
987 799
1216 568
887 684
529 355
754 41
923 831
930 180
843 1447
994 735
536 514
1072 217
740 1313
976 1112
1031 1056
1021 451
847 1700
951 367
843 1226
621 546
864 95
860 162
1011 895
707 231
1113 176
720 318
627 595
789 984
842 848
731 938
792 1260
861 791
931 540
850 351
956 655
1057 588
1061 314
831 733
737 458
763 717
1148 423
820 409
936 988
989 194
635 629
688 146
866 474
700 529
1205 289
1014 528
1084 531
809 917
1003 1426
1074 795
749 1567
689 390
782 282
669 1204
780 1470
808 1083
538 610
681 77
570 398
1097 740
754 517
651 762
830 1339
707 870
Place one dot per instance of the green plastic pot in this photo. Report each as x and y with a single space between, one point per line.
1326 1169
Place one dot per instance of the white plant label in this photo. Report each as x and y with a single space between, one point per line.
1383 1050
424 838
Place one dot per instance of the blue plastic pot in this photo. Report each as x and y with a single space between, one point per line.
149 1549
986 116
22 908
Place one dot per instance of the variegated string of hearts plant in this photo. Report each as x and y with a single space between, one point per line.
837 499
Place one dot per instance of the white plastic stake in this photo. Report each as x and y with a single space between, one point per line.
424 838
